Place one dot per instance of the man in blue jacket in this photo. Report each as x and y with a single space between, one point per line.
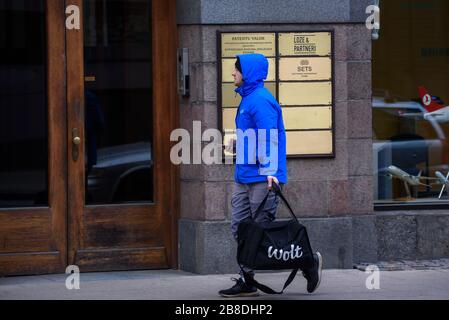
260 158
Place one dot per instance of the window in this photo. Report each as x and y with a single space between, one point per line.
23 105
410 103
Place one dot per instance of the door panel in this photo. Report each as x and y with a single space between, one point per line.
166 115
32 138
119 211
66 212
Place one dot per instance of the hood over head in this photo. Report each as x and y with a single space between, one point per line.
254 70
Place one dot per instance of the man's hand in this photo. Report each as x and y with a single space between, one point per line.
270 180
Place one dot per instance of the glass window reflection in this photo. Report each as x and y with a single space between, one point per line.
410 103
23 105
118 101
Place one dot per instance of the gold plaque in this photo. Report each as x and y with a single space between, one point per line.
228 66
305 68
309 142
305 93
305 44
307 117
228 121
233 44
230 98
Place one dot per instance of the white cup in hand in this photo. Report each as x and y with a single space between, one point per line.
230 147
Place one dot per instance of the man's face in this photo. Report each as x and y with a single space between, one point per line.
238 78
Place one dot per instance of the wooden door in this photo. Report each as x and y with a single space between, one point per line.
121 101
33 183
87 179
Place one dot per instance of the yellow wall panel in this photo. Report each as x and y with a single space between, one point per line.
305 44
307 117
309 142
305 93
228 118
305 69
233 44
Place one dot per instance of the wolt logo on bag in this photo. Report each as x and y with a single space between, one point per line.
294 253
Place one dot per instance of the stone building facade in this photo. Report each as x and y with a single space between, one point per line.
333 197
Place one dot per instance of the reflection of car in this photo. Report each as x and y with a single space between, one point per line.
407 140
122 173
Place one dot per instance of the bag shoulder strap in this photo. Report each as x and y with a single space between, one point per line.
252 282
277 190
261 205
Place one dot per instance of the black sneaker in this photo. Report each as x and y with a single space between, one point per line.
240 289
313 275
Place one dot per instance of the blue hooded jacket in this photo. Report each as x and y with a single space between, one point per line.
258 110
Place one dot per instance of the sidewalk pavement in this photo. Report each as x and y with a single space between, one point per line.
179 285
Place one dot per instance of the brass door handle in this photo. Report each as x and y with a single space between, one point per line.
76 141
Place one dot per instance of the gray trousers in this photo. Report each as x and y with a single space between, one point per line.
246 198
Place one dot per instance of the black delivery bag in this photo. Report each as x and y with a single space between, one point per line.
276 245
